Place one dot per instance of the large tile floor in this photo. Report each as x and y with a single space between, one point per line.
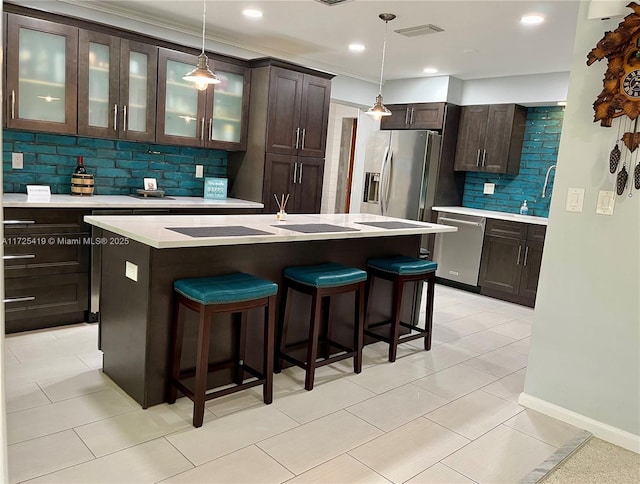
450 415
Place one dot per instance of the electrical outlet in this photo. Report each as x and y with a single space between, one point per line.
489 188
199 171
17 161
131 271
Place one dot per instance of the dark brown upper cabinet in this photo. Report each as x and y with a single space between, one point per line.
42 69
298 113
214 117
414 116
490 138
116 87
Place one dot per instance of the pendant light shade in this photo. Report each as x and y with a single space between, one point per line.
378 110
202 75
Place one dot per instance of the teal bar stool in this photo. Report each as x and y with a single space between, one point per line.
398 270
321 282
231 293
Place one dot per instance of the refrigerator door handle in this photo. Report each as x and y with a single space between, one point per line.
384 180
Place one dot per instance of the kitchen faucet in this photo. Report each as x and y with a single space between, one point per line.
546 180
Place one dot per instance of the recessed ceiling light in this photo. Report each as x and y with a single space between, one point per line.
356 47
252 12
430 70
532 19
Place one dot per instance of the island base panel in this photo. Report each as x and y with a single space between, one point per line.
136 317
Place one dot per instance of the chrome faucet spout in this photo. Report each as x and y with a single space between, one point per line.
546 180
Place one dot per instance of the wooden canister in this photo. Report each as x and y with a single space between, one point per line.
82 184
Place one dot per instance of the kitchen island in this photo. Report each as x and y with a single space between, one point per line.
143 255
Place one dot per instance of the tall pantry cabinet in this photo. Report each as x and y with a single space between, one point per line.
287 138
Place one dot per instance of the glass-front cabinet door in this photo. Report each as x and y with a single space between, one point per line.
227 108
42 63
181 113
116 87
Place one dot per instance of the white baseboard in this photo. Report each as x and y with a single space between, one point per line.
601 430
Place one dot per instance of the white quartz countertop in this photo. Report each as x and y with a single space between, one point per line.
153 230
19 200
515 217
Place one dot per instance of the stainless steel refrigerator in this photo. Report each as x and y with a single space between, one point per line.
401 173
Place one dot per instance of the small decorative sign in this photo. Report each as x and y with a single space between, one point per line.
38 193
215 188
150 184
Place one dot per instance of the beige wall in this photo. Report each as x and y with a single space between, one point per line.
584 364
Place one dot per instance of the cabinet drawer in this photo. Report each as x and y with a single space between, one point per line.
40 254
41 296
43 220
505 228
536 233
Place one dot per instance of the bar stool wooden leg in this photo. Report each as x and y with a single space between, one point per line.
312 346
202 367
283 324
269 331
177 338
429 310
326 326
239 321
394 333
359 328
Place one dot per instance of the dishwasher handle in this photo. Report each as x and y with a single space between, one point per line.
457 221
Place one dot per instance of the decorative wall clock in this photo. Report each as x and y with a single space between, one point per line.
620 96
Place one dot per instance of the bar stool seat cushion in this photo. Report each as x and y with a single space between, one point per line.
228 288
329 274
403 265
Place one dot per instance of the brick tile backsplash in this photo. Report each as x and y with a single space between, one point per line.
118 166
539 152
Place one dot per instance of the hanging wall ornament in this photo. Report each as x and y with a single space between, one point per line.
614 156
621 180
636 176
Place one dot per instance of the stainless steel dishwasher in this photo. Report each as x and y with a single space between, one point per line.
458 253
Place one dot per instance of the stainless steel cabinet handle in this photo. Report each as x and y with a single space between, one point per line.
13 104
295 172
412 111
210 129
19 299
18 222
300 179
21 256
519 253
406 116
462 222
115 117
484 157
304 132
297 137
202 128
124 118
478 158
526 255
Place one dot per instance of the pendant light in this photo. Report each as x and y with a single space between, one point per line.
201 75
378 109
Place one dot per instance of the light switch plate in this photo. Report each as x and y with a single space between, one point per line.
489 188
606 202
17 161
131 271
575 199
199 171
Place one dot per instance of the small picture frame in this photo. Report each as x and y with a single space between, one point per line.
150 184
215 188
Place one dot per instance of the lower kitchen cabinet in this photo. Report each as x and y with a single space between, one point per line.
511 258
300 177
46 258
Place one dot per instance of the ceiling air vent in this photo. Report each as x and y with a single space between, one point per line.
419 30
332 2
